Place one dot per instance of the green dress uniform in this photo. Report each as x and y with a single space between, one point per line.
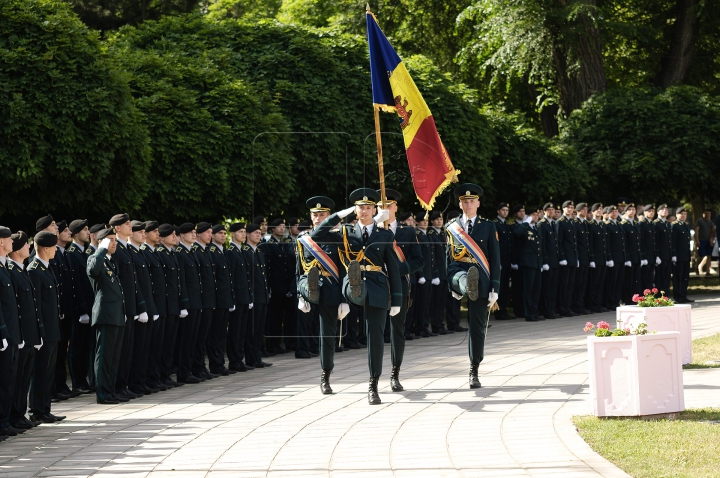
108 320
464 268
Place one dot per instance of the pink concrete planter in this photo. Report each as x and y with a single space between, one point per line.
635 375
661 319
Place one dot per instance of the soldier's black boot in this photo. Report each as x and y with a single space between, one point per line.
395 380
313 283
473 276
373 397
355 279
325 382
474 380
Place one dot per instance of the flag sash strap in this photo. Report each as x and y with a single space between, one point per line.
471 246
325 261
398 252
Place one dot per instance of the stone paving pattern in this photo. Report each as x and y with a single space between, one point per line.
275 423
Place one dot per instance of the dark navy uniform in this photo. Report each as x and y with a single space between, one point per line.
61 269
549 280
567 251
176 301
596 283
143 331
10 331
255 260
81 354
421 317
153 376
681 252
438 293
281 320
209 304
585 257
225 301
238 319
529 256
631 277
647 272
663 250
616 251
505 240
188 327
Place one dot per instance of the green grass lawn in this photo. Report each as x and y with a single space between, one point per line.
688 446
705 350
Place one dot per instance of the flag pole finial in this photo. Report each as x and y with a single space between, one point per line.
367 8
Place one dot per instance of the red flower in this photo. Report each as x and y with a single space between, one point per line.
603 325
646 292
665 297
588 327
636 298
655 291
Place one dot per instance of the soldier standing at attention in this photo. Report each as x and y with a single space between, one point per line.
242 282
474 270
518 212
366 252
647 228
616 263
505 238
568 254
191 288
225 302
586 259
681 256
319 281
634 256
280 258
47 298
255 260
438 285
422 297
529 256
208 291
598 246
549 279
663 249
108 317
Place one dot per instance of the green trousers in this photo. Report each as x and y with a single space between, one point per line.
108 345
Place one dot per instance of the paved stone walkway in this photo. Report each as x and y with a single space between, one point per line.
275 422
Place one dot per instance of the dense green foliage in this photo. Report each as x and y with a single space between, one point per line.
70 135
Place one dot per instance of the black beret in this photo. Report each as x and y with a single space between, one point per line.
202 227
45 239
19 240
96 227
404 216
502 205
103 233
259 220
434 215
649 207
293 221
596 206
119 219
640 210
137 226
468 190
611 208
631 204
166 230
537 209
420 217
277 222
78 225
237 226
568 203
581 205
622 201
304 226
62 225
364 196
680 209
662 206
516 208
217 228
548 205
390 195
5 232
186 227
319 203
151 225
43 222
252 228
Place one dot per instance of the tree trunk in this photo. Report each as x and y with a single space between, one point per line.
579 64
676 63
548 114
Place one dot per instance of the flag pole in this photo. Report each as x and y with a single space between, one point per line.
381 168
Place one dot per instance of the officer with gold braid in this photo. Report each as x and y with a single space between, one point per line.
474 269
373 278
320 274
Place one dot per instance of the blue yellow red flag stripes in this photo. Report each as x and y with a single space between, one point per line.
464 238
395 91
325 260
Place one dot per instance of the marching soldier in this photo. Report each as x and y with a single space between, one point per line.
663 249
681 256
568 255
617 257
598 246
647 228
208 292
238 320
529 256
474 269
586 259
367 254
191 288
225 302
549 279
634 254
505 238
320 281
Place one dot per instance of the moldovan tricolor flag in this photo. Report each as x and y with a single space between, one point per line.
394 91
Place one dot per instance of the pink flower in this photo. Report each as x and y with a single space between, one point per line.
627 331
588 327
603 325
655 291
646 292
657 301
636 298
665 297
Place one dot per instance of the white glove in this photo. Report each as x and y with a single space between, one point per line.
343 310
62 316
142 318
5 345
382 215
563 262
303 306
492 298
592 265
346 212
421 281
104 244
84 319
578 264
628 264
21 345
674 258
250 306
514 267
394 310
289 294
435 281
643 262
232 309
183 313
610 263
134 318
38 347
155 317
545 267
270 294
658 261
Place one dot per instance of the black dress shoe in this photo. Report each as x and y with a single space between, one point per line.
10 431
441 331
43 417
170 383
22 424
531 319
280 350
139 393
107 401
249 367
355 345
209 375
339 349
189 379
120 398
57 418
261 364
32 422
313 354
127 393
460 328
302 355
238 368
149 389
230 371
62 396
689 301
221 372
82 389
